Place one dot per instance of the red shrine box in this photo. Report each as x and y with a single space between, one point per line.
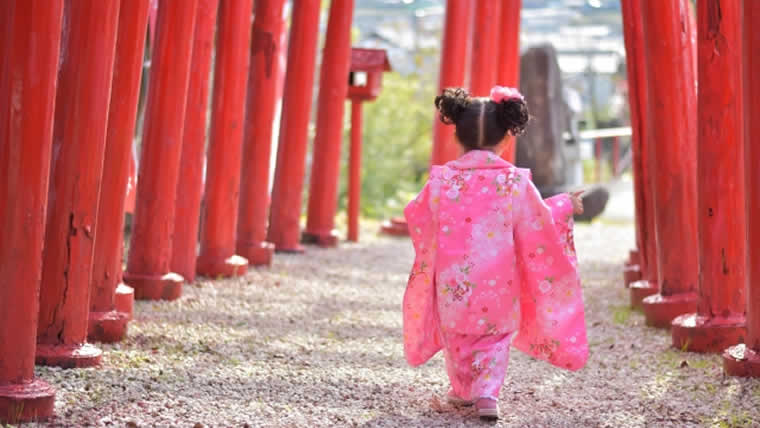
365 78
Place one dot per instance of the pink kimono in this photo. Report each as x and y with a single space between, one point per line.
493 263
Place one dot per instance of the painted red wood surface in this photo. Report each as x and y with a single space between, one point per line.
219 220
79 140
108 323
672 114
190 185
148 263
453 70
333 88
285 215
29 49
266 49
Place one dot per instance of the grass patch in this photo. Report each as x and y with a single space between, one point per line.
621 314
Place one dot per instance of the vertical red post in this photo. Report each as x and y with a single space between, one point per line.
79 140
150 251
672 94
107 322
642 140
634 46
508 73
333 88
26 130
266 48
744 359
485 47
354 173
217 255
285 215
452 73
190 183
719 321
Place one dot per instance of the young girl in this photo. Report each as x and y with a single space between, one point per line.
493 261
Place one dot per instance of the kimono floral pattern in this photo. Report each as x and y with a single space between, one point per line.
492 259
476 365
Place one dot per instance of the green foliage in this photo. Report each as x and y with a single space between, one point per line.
396 146
621 314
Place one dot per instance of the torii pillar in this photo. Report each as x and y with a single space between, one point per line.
266 47
642 140
26 134
744 359
285 214
485 47
150 250
639 259
217 254
719 321
190 183
333 88
108 321
453 69
79 140
508 73
672 114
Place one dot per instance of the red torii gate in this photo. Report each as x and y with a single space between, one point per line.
674 139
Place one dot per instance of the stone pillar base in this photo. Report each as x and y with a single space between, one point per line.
107 327
26 402
640 290
68 356
230 267
741 361
258 254
155 287
660 311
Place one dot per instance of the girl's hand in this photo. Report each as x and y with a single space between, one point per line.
576 198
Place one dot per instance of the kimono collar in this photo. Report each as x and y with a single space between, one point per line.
479 159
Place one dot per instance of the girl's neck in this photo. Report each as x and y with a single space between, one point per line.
497 150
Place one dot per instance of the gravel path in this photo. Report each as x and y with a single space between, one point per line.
315 341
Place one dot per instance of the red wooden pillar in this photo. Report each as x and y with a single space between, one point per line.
217 255
672 95
719 321
333 88
508 73
485 47
452 74
643 182
355 171
150 251
107 323
266 48
635 64
285 215
79 140
190 183
744 359
78 144
26 130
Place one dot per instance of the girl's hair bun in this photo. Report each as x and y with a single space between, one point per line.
452 103
513 115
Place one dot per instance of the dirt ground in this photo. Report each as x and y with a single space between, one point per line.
315 340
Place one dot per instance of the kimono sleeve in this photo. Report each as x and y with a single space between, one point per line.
552 326
420 313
